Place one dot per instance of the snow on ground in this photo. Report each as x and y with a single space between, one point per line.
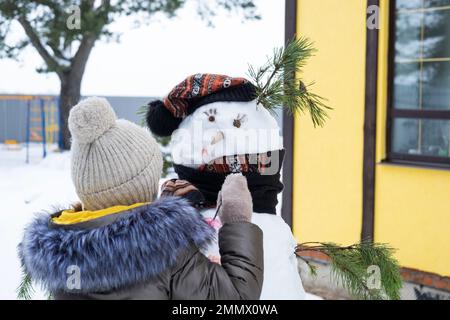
25 190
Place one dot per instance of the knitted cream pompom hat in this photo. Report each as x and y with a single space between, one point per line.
114 162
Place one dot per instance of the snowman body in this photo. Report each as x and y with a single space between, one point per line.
229 128
281 276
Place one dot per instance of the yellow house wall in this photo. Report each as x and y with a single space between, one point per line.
327 186
412 205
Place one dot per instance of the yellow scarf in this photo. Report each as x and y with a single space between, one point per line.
72 216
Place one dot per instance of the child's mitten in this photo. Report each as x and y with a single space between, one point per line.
234 200
184 189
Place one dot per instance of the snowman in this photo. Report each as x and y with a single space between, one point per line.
218 128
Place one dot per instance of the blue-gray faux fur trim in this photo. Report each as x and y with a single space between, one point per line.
139 245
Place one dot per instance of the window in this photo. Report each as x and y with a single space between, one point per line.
419 111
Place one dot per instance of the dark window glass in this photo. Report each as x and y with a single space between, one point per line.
421 137
417 4
436 85
408 4
406 86
436 33
436 3
421 80
408 40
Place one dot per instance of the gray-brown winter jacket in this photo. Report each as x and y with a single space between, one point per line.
147 251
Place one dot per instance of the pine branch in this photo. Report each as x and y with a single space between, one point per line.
312 268
142 114
350 265
25 290
278 87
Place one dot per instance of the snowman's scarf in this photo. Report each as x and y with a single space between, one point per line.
264 188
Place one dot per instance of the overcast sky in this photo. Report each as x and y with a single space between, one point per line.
150 60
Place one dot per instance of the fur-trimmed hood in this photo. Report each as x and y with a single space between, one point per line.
139 244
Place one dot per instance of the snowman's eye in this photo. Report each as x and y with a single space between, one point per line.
211 114
239 120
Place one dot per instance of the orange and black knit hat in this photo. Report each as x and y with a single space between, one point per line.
164 117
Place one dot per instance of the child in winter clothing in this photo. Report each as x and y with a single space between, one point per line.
120 245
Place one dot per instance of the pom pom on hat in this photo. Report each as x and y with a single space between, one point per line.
90 119
159 119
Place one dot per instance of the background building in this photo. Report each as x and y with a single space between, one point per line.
380 167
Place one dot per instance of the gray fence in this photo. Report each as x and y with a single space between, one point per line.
13 114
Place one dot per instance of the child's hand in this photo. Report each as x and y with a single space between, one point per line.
234 200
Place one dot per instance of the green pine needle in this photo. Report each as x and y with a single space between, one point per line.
142 114
25 290
312 268
277 84
350 266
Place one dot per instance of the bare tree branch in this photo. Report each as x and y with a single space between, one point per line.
43 52
81 57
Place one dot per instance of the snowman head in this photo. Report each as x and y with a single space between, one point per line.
224 129
212 116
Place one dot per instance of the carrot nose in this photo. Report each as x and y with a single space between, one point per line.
218 137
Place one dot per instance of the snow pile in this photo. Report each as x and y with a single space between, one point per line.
27 189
